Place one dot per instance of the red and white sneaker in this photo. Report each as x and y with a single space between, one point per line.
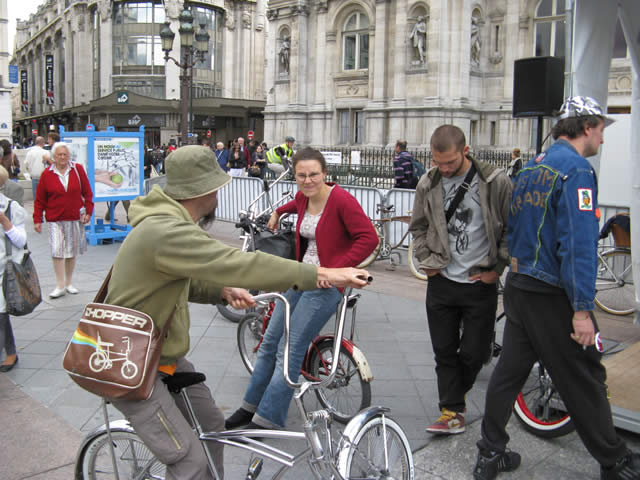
449 423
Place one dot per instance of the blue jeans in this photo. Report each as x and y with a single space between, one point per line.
268 394
34 186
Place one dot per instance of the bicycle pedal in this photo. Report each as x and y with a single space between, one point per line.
254 469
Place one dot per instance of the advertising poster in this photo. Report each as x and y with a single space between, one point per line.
49 79
24 91
117 166
79 150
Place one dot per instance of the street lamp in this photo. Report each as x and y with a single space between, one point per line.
191 54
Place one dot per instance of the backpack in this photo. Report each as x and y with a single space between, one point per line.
418 168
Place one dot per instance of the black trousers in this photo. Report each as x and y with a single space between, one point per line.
538 327
461 320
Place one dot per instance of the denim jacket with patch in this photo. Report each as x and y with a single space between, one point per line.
552 232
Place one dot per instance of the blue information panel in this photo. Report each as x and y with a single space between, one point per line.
13 74
114 162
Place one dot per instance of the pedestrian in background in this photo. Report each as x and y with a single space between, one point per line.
459 229
237 162
12 223
222 155
65 198
9 159
10 189
549 295
259 160
515 165
34 163
402 167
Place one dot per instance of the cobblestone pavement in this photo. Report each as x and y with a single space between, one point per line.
45 415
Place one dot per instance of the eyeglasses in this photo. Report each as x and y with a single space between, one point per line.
314 177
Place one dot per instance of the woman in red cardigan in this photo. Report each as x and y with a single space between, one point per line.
64 196
332 231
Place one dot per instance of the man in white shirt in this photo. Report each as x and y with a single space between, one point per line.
34 162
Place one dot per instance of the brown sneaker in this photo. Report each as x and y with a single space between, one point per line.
449 423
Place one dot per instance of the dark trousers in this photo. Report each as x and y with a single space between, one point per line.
538 327
461 320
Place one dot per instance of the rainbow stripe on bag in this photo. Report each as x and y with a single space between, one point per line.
82 338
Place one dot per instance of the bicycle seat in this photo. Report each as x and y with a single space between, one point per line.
180 380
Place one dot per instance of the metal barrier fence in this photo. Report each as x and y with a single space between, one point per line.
375 165
238 194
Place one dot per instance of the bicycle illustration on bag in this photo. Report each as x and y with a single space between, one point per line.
101 359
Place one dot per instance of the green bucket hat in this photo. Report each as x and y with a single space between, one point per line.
193 171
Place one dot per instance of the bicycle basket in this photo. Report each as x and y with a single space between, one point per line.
281 244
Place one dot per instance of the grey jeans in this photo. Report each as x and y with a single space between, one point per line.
162 425
6 335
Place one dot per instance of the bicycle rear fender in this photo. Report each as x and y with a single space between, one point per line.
361 361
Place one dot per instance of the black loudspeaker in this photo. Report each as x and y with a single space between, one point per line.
538 86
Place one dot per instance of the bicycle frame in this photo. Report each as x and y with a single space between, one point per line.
324 457
618 277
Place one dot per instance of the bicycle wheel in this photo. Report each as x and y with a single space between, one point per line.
376 251
133 459
615 290
249 338
348 393
380 449
540 408
414 263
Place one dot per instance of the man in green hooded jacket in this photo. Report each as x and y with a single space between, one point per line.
169 260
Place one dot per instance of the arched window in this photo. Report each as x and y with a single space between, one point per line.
550 28
355 37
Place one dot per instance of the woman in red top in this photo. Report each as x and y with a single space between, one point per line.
332 231
64 196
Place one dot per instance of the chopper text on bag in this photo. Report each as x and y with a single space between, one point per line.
115 351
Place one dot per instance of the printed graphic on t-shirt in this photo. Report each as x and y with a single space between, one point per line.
458 226
585 199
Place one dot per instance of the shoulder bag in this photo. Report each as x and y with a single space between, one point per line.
20 283
460 193
115 351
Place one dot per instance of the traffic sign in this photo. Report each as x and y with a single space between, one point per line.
250 134
208 133
34 132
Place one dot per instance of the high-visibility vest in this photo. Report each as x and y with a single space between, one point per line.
274 157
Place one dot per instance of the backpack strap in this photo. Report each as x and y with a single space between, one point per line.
460 193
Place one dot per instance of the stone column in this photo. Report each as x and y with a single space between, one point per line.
399 97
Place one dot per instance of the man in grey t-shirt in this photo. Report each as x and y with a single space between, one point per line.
463 258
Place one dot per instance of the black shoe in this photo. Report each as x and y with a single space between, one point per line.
239 419
7 368
488 467
627 468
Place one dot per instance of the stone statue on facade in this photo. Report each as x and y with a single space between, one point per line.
283 54
476 44
419 36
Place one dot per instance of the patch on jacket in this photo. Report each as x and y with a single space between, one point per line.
585 199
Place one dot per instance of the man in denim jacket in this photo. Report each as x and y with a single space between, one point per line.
552 236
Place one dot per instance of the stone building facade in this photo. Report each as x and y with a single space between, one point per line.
350 72
101 62
5 85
